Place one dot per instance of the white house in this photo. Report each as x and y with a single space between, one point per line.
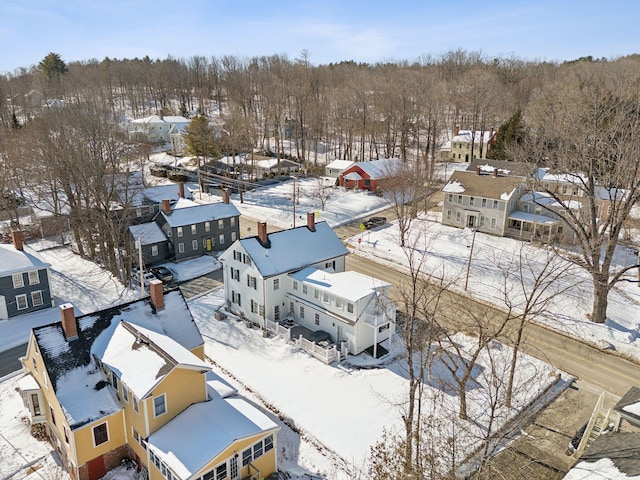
350 306
335 168
299 274
256 268
159 128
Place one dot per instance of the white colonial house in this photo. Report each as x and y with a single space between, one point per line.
160 128
350 306
299 275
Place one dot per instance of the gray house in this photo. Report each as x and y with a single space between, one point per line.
24 280
198 230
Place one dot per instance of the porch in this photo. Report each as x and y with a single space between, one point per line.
530 226
32 399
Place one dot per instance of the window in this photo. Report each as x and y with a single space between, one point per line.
261 310
136 435
482 220
295 285
246 457
194 229
459 198
151 209
207 226
254 306
268 443
100 434
235 298
448 214
246 259
458 216
484 202
233 221
350 307
237 255
221 471
53 417
276 284
35 401
138 212
257 450
154 250
235 274
233 236
18 281
451 197
495 204
339 303
325 297
317 318
66 434
538 210
21 302
34 278
276 313
493 223
316 293
194 244
36 298
251 282
383 328
135 404
181 248
304 289
472 201
525 207
565 189
159 405
125 393
220 224
301 311
221 239
179 231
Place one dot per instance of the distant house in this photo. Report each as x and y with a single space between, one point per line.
298 275
369 175
158 128
337 167
467 145
271 166
131 382
24 280
143 204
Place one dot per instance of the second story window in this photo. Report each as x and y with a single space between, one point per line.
100 434
18 280
276 284
179 229
220 224
194 229
34 278
159 405
207 226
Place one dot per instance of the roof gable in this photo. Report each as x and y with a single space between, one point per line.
200 213
376 169
15 261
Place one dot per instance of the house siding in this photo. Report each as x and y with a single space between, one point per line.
10 293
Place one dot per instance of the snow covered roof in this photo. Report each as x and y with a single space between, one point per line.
15 261
273 162
74 377
532 218
613 456
213 426
293 249
155 195
350 285
377 169
630 404
148 233
540 198
353 176
339 164
468 135
140 357
200 213
487 186
177 119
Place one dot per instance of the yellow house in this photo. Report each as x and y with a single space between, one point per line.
467 145
131 382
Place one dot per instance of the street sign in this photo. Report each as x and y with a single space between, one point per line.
362 229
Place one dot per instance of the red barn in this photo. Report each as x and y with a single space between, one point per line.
367 175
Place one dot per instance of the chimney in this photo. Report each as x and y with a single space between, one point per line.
161 114
68 319
16 236
311 221
478 170
166 206
225 195
456 130
157 295
181 189
495 172
262 232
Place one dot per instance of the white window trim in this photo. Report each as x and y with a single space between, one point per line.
20 283
37 277
26 301
166 409
93 434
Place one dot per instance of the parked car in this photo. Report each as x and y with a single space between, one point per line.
163 274
147 277
374 222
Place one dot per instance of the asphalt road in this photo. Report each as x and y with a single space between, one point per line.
9 359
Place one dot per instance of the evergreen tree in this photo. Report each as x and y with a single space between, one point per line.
510 133
52 66
14 122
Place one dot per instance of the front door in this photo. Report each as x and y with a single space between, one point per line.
209 244
96 468
471 221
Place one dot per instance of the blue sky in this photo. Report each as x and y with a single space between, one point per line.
331 30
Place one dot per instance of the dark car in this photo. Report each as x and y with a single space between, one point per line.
374 222
162 273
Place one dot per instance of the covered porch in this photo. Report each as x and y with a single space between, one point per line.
532 226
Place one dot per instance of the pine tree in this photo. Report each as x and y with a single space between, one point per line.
510 133
52 66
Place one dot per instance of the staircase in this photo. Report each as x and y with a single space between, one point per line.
603 415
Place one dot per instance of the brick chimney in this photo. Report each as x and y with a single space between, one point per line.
456 130
157 295
311 221
161 114
181 189
225 195
262 232
68 319
16 236
166 206
478 170
495 172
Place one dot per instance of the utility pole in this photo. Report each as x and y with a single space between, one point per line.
140 267
473 240
293 198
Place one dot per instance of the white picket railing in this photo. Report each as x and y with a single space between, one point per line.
327 354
